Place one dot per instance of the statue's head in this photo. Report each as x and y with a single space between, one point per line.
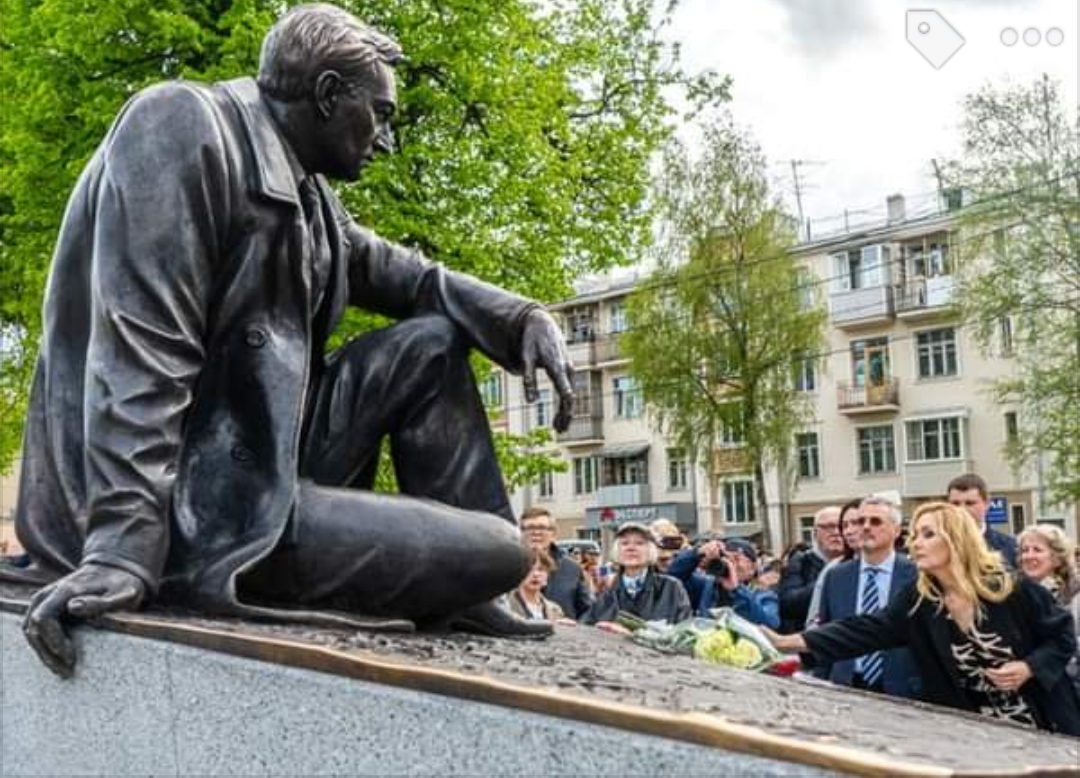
339 72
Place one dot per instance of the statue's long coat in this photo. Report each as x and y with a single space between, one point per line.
179 345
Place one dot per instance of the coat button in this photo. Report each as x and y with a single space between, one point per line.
241 454
255 337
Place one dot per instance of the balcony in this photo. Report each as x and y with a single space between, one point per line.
924 297
623 494
877 398
582 352
586 428
730 460
927 479
861 307
608 349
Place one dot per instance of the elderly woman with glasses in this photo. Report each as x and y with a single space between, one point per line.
639 589
983 639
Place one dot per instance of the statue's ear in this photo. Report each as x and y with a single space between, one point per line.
327 88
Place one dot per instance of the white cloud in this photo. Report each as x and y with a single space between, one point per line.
835 82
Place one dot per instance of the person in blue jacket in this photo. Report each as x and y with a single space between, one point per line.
718 573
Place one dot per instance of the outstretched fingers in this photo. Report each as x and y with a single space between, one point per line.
44 630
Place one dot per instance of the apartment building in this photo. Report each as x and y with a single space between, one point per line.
900 396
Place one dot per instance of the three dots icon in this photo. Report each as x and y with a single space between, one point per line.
1032 36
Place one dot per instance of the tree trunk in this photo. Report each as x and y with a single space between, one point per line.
763 508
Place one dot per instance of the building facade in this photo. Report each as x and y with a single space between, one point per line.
901 401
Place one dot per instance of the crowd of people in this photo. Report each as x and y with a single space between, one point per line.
945 610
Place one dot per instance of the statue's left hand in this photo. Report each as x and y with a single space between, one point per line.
88 592
545 347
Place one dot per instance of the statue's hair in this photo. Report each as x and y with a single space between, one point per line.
978 571
1062 551
315 37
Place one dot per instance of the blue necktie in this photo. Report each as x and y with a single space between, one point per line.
870 665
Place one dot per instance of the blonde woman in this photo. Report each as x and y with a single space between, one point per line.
1048 557
983 640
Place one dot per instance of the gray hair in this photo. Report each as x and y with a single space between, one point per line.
314 37
894 509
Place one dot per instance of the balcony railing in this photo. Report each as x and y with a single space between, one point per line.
586 427
864 399
861 306
608 349
624 494
922 294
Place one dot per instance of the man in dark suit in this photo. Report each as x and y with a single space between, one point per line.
864 585
969 491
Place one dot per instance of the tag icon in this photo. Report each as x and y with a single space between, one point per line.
933 37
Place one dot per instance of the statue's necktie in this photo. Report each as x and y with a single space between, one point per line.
320 247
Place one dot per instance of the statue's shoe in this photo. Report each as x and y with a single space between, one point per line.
490 618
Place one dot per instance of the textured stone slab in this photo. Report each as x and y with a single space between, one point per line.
144 707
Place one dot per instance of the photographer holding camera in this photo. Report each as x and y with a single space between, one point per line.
718 573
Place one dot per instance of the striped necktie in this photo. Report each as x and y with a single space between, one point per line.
871 666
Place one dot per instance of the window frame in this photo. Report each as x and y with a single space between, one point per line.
942 437
858 450
932 347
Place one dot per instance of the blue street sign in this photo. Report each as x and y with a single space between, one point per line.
998 511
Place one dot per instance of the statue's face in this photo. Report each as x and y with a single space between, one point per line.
359 123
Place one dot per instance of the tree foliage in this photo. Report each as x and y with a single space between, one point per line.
1021 167
716 332
524 130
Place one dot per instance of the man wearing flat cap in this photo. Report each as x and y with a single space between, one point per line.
639 589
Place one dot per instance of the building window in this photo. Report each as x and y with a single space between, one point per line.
806 374
628 403
877 452
937 353
931 440
809 455
491 391
738 502
586 475
626 471
1012 428
617 318
1005 335
580 327
678 469
546 486
543 408
870 362
806 529
732 428
860 268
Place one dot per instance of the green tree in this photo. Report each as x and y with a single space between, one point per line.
716 332
524 130
1021 170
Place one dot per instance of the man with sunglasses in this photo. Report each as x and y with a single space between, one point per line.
864 585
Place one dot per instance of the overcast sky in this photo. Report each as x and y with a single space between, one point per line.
835 83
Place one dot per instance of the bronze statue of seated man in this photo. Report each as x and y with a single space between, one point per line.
187 439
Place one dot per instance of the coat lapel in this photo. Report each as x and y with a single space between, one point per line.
273 174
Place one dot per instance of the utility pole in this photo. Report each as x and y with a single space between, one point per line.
942 205
795 163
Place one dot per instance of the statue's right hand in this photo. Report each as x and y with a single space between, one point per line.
88 592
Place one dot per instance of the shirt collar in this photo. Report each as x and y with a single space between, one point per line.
882 567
